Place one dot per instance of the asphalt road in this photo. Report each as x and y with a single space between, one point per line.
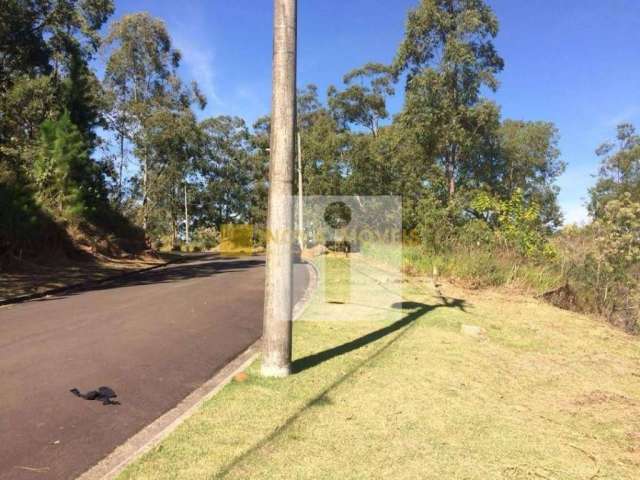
153 338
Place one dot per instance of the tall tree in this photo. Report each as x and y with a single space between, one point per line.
68 181
260 139
619 172
448 56
174 140
141 74
529 160
40 36
45 49
363 102
227 169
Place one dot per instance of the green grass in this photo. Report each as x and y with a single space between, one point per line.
390 393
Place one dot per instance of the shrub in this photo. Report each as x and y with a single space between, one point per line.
206 238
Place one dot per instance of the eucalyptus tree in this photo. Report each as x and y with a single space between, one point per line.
227 169
141 75
448 56
529 160
363 102
175 143
619 171
259 140
323 144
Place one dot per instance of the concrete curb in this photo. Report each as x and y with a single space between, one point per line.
303 303
85 285
154 433
151 435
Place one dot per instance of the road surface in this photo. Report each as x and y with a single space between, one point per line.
153 338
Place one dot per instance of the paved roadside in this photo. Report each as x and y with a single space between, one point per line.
153 338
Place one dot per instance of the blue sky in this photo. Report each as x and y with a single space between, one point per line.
573 62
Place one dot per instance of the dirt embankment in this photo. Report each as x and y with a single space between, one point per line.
76 254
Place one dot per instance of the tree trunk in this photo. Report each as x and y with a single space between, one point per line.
452 187
145 196
276 359
451 171
186 215
121 168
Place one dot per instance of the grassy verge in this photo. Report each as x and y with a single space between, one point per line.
474 267
384 390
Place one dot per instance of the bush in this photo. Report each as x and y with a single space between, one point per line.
206 238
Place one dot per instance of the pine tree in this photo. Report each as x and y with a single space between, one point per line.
63 170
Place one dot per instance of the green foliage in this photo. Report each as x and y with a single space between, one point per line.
438 223
620 170
229 170
142 79
206 237
363 105
448 54
529 160
479 193
619 233
35 33
27 104
517 222
62 170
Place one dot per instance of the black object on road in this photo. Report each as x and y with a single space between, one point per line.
103 394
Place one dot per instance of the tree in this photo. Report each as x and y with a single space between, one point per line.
448 56
227 170
175 145
619 172
141 74
41 36
45 49
259 140
363 104
529 160
67 180
617 257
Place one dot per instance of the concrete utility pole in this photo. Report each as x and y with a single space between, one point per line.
276 358
186 215
300 200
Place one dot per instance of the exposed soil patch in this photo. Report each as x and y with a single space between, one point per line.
23 278
598 397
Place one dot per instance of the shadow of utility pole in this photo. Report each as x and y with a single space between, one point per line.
311 361
420 309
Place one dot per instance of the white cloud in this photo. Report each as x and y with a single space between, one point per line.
199 63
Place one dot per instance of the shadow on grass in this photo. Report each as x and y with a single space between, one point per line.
419 310
321 399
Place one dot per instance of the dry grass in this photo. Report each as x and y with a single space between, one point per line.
544 394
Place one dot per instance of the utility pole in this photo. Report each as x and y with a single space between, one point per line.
300 202
276 356
186 215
